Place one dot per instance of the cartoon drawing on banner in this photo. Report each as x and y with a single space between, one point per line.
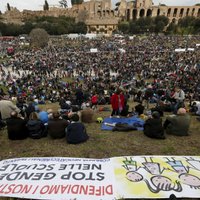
131 166
152 167
194 163
184 173
159 182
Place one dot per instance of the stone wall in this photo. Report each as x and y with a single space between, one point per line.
98 13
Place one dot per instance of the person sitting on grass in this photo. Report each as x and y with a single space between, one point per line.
36 129
76 131
178 124
57 126
153 126
16 127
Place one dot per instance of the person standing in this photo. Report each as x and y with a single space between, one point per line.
117 102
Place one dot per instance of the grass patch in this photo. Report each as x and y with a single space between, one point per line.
102 144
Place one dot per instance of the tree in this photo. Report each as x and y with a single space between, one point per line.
8 7
46 5
144 24
171 28
186 21
63 3
159 26
197 25
39 37
80 27
2 28
160 23
124 27
12 30
161 18
27 27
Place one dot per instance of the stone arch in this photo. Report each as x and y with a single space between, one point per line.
187 12
112 13
158 12
134 14
149 13
169 12
174 20
181 12
99 13
104 13
107 13
175 12
198 14
193 11
142 12
128 14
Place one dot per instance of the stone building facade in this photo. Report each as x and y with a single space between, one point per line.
145 8
100 17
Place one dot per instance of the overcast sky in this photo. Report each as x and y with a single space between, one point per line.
38 4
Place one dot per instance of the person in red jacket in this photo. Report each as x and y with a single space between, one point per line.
117 102
94 101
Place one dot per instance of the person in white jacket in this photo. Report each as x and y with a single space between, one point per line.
179 96
6 107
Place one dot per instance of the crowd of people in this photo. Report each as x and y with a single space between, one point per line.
148 70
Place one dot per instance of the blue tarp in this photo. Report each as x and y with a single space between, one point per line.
135 121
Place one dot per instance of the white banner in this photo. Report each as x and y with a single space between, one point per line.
93 50
180 50
101 179
190 49
57 178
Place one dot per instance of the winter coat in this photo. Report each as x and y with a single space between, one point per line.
56 128
36 129
178 125
153 128
76 133
115 101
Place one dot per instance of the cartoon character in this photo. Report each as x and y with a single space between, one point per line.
163 183
177 166
194 163
132 170
184 173
159 182
152 167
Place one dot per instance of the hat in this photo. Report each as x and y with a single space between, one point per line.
181 111
156 115
99 119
